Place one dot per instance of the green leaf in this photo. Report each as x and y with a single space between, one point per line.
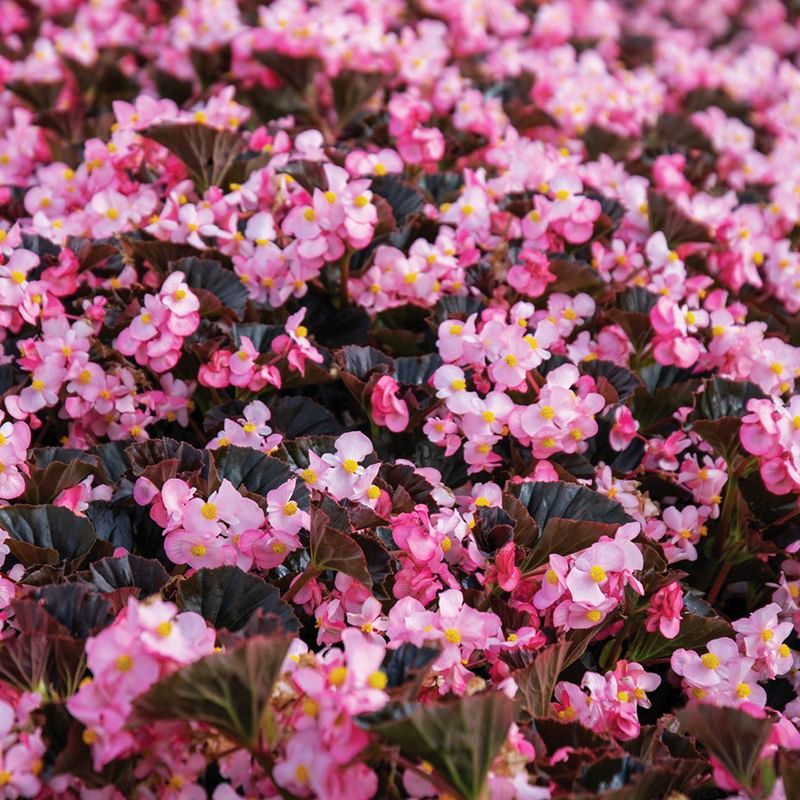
459 739
209 154
695 633
732 736
227 597
228 691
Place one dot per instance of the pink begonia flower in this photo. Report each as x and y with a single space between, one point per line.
664 612
344 466
711 668
283 513
387 408
624 429
532 276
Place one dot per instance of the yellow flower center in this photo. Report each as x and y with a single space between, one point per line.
124 663
452 636
338 676
350 465
373 492
209 511
710 661
594 615
458 385
360 201
164 629
37 385
766 635
301 774
198 550
309 215
17 276
743 691
598 574
330 197
309 476
290 509
488 416
310 707
378 680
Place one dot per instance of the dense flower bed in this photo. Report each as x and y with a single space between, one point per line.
398 399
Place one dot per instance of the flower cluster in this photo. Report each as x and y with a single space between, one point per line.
155 335
399 399
145 642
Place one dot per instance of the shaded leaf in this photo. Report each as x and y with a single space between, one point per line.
154 451
77 607
309 174
302 416
665 216
47 527
733 737
723 398
460 739
145 574
403 198
211 276
623 380
695 632
208 153
227 597
257 472
536 682
568 501
335 550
